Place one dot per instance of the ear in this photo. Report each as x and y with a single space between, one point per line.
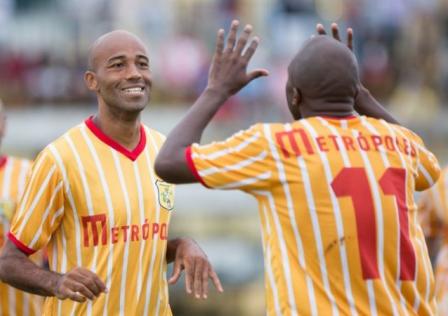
296 103
91 81
296 97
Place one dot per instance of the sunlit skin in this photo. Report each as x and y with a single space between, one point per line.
119 73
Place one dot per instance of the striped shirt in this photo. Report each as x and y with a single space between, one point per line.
12 181
97 205
339 226
433 211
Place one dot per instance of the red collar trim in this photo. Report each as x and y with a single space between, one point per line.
3 160
133 155
349 117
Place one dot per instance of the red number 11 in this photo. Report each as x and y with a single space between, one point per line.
353 182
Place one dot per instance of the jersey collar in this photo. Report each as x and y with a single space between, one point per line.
3 160
131 154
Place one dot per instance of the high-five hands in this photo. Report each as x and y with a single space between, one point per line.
228 72
335 33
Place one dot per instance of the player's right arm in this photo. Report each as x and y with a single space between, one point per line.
37 217
19 271
365 103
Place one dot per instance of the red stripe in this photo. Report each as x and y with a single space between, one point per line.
192 167
22 247
133 155
3 160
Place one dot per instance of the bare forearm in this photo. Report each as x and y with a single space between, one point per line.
20 272
170 162
367 105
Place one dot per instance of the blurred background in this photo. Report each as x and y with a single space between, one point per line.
401 45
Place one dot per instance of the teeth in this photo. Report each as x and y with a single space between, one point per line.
133 90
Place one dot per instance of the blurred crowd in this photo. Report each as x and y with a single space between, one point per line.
402 47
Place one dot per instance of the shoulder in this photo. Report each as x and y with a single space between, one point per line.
154 135
18 160
58 151
394 128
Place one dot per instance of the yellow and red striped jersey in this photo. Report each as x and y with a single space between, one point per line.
13 172
339 226
433 211
97 205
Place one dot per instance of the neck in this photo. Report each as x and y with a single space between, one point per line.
327 109
122 127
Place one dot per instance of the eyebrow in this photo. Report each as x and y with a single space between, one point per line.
120 57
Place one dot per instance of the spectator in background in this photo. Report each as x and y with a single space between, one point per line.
12 181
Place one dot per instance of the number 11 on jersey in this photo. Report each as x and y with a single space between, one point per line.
353 182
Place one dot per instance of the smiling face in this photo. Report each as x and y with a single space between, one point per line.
119 72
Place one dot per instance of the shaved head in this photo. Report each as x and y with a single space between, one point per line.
109 42
324 69
119 73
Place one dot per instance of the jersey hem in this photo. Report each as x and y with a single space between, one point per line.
131 154
192 167
21 246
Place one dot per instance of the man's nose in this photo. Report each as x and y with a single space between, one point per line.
133 72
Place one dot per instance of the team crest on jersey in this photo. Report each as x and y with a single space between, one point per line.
7 209
166 194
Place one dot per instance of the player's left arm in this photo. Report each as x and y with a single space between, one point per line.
188 256
227 75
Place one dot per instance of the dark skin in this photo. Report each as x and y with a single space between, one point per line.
333 91
119 74
365 103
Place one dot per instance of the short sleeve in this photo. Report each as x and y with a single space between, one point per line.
428 168
40 210
429 221
243 161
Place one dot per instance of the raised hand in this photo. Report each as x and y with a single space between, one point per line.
190 257
228 72
335 33
78 285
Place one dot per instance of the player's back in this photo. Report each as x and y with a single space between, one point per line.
340 233
344 203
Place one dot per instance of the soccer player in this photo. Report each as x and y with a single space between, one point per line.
335 190
433 211
12 181
94 200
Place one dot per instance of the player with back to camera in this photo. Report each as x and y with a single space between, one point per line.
334 188
94 199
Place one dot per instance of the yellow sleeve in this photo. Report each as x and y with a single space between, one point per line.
429 221
243 161
41 207
428 168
